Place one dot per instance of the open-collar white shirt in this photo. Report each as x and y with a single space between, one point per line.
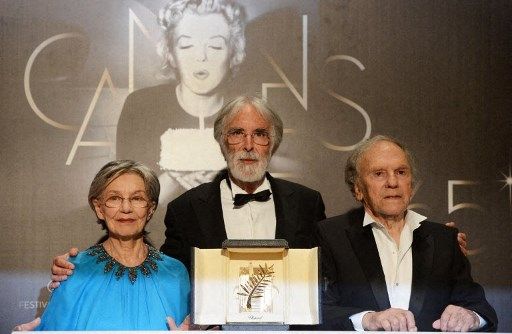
396 261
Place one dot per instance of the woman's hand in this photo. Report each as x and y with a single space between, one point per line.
185 325
29 326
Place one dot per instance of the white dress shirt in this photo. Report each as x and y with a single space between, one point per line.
254 220
396 261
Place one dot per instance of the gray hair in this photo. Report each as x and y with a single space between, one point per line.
116 168
233 107
352 165
170 15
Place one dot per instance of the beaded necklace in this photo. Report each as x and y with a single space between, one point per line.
149 263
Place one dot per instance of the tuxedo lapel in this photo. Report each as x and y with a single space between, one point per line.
363 243
422 259
285 205
208 209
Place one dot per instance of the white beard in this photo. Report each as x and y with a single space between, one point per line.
247 173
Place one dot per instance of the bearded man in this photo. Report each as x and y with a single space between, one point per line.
244 201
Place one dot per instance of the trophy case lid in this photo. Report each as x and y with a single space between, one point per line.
255 243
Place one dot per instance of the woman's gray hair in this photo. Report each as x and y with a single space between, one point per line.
233 107
352 165
170 15
116 168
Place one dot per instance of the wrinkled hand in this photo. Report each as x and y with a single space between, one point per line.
62 268
461 238
189 180
185 325
29 326
392 319
457 319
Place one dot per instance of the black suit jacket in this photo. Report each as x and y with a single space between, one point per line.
441 274
195 218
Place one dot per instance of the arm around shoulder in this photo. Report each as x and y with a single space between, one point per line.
175 244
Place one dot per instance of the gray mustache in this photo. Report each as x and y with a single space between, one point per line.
246 155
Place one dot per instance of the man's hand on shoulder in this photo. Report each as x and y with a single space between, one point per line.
457 319
392 319
62 268
461 238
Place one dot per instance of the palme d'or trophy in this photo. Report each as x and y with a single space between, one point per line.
255 285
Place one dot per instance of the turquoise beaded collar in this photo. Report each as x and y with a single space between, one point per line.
149 263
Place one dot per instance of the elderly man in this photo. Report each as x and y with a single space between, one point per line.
389 268
244 201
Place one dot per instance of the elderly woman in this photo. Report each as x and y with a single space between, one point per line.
202 46
123 283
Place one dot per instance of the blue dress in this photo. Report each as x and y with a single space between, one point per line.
102 294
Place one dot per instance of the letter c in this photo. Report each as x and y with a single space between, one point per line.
26 80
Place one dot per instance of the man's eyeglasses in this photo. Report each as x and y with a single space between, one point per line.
259 137
115 202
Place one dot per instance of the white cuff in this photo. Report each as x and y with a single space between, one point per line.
481 320
357 320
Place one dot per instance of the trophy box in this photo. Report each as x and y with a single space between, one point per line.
255 282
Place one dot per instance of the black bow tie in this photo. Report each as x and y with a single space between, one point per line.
242 199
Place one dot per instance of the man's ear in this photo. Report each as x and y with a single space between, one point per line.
98 209
358 193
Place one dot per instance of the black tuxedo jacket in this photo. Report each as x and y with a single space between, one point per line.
195 218
441 274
